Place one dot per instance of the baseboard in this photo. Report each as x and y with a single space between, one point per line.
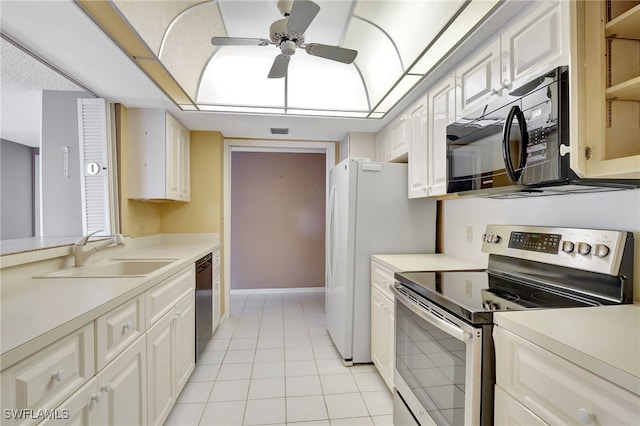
277 290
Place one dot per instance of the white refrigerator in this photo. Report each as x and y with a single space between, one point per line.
368 213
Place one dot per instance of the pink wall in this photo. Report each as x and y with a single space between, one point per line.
277 220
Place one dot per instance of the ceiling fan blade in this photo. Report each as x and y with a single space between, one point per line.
302 13
334 53
239 41
279 67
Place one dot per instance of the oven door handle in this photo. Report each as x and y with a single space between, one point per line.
448 328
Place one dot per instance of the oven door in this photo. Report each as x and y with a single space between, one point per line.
438 362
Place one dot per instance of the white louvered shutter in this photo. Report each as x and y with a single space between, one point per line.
93 132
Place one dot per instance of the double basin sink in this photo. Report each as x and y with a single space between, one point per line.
112 268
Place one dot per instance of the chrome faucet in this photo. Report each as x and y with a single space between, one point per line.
82 253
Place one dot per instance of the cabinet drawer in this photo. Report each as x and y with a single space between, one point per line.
382 279
47 377
116 330
508 411
558 391
161 298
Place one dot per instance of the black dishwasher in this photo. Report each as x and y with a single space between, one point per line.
204 303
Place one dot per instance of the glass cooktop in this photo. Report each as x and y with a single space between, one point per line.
475 295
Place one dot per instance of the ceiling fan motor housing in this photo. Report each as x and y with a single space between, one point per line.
279 34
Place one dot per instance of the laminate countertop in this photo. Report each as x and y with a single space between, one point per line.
425 262
35 312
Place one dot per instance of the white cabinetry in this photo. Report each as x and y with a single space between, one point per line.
170 349
536 42
382 322
382 145
123 384
392 142
442 112
215 294
418 151
43 380
554 390
158 156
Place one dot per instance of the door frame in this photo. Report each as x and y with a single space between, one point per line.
261 145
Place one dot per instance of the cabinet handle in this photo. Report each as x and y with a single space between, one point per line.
127 326
97 397
586 417
58 376
507 85
106 388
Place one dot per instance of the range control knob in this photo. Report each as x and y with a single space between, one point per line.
584 248
496 239
568 246
600 250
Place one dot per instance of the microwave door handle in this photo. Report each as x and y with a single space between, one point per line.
514 112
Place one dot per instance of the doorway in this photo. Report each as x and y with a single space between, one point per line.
275 193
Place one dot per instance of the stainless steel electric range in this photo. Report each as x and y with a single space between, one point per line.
444 367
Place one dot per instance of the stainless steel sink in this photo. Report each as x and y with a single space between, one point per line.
113 268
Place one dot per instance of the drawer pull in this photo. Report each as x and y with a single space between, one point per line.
58 376
178 315
97 397
106 388
586 417
127 326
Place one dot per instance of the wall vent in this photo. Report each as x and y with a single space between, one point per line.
279 131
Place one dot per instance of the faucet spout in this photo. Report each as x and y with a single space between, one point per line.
82 252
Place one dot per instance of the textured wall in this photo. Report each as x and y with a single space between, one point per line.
277 220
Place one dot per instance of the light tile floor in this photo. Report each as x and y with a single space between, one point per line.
272 362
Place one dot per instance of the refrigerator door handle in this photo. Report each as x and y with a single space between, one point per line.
329 262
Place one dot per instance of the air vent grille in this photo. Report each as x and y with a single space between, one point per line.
279 131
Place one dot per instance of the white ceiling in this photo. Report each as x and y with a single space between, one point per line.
59 32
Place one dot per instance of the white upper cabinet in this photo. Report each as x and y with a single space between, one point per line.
418 151
534 43
158 156
479 80
399 138
382 145
442 112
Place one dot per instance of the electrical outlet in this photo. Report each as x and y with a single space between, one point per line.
469 234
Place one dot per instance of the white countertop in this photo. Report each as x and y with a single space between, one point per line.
425 262
604 340
35 312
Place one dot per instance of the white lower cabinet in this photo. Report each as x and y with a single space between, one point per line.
161 376
43 380
510 412
382 323
125 368
554 389
123 384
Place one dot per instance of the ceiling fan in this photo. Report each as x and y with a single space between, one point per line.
288 34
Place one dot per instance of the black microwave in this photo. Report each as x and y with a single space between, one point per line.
519 145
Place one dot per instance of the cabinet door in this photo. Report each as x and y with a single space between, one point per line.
173 159
441 114
399 134
185 321
535 44
391 342
80 409
379 333
418 156
185 161
478 80
123 383
382 145
161 369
